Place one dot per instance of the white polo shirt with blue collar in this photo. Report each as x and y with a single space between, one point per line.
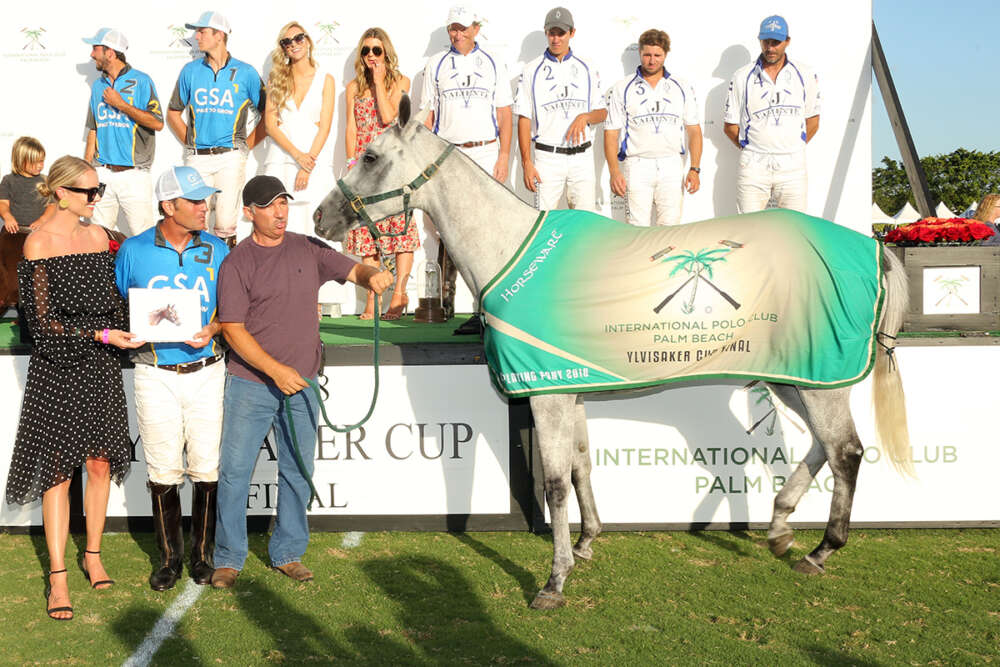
552 93
464 92
651 120
771 115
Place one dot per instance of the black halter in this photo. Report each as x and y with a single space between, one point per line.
358 203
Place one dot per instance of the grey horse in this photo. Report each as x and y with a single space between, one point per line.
483 223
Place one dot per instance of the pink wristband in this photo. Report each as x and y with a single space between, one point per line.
104 336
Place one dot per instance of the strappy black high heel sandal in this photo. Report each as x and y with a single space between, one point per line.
55 610
107 583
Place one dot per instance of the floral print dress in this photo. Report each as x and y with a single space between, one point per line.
359 241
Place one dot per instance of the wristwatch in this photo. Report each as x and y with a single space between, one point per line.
696 170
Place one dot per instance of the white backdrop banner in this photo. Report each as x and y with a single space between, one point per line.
438 443
48 74
683 456
427 449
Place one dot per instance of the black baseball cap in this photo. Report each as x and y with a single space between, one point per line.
262 190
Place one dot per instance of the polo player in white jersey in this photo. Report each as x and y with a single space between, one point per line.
653 125
558 100
467 90
772 111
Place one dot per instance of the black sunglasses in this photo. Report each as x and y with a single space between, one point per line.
287 41
365 50
92 193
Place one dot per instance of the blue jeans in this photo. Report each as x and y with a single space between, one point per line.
251 409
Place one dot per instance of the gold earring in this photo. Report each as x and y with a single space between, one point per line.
64 204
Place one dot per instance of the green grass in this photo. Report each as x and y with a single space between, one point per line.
912 597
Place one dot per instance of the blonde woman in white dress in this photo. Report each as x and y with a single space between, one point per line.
300 99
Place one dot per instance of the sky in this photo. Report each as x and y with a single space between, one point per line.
945 61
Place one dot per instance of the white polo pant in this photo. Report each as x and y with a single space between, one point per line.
765 176
572 174
130 192
654 180
225 171
485 156
180 413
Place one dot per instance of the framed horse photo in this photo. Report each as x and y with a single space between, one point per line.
164 315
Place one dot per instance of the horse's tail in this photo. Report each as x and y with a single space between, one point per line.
887 386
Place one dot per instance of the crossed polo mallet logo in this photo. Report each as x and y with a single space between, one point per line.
327 31
697 264
34 39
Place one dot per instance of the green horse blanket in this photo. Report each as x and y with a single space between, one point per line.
590 304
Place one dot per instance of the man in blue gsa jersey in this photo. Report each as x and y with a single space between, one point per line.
123 114
218 92
179 386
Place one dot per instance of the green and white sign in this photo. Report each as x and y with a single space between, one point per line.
590 304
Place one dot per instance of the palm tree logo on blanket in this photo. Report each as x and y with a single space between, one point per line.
698 266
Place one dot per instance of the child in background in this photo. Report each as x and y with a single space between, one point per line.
20 204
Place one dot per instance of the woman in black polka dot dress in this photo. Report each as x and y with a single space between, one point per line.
73 410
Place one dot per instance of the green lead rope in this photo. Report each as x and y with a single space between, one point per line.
319 399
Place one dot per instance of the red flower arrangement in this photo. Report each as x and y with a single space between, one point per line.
940 231
113 246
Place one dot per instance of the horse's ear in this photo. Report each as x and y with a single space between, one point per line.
404 110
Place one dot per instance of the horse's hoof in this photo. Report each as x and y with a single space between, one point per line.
545 600
779 545
807 566
583 553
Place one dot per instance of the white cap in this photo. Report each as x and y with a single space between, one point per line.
461 15
213 20
113 39
183 182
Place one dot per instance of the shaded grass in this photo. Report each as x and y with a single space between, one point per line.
914 596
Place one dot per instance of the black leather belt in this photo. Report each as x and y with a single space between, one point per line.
214 150
191 366
474 144
116 167
561 150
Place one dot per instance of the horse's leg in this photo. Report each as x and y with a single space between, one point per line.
830 419
780 535
590 521
554 417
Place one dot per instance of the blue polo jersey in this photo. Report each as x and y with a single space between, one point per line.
147 260
120 140
218 103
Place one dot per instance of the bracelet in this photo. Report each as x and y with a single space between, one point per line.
104 336
696 170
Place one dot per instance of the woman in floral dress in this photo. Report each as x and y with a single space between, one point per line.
372 106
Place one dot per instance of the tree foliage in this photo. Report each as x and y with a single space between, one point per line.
958 179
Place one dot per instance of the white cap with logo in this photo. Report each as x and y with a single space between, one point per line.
213 20
461 15
109 37
183 182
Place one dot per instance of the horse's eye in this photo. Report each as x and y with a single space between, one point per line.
369 158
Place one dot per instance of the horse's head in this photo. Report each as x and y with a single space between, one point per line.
389 166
